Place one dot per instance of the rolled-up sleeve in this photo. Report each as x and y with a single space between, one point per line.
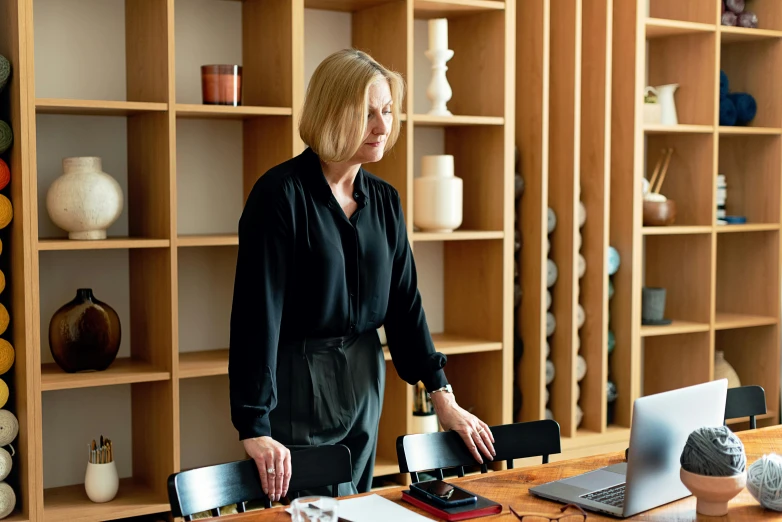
259 292
409 341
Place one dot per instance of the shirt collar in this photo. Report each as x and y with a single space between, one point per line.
319 185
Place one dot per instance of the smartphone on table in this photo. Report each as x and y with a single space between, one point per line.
443 494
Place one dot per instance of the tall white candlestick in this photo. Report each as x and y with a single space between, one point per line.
438 34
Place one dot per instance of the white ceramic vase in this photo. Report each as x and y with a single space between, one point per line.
437 204
101 481
84 201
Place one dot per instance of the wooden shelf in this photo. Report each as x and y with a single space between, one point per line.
586 438
342 5
662 28
121 371
747 227
728 321
676 327
425 9
749 131
71 503
729 34
678 129
101 244
95 107
228 112
207 240
458 235
675 230
424 120
203 364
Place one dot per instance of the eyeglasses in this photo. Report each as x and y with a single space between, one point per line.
574 517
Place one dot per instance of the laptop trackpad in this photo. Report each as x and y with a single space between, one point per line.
595 480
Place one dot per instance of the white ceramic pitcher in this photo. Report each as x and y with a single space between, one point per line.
666 100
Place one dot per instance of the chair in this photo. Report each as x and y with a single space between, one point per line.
211 487
446 449
745 401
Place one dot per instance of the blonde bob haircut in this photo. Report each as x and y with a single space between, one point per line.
334 117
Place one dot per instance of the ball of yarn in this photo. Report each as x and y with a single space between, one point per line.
6 357
613 260
4 319
548 299
611 341
551 273
724 84
610 288
728 114
3 395
548 350
548 395
7 499
6 211
519 185
764 481
2 281
6 136
579 415
5 71
581 367
714 452
735 6
5 174
9 427
580 315
746 107
549 414
6 462
582 214
550 371
611 392
729 18
582 266
748 19
551 324
552 220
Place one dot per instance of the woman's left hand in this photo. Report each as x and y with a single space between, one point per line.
474 432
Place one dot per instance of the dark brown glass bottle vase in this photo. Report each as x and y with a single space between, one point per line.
84 334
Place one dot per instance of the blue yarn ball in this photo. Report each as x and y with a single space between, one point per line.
611 341
724 84
746 107
613 260
728 114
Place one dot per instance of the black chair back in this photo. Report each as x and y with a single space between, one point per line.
436 452
212 487
745 401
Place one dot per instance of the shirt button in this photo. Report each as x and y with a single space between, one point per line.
357 195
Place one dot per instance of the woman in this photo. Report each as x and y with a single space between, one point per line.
324 260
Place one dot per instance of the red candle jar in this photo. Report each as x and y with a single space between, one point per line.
221 84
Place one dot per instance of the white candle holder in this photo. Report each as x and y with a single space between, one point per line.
439 91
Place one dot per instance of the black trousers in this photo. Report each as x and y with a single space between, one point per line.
330 391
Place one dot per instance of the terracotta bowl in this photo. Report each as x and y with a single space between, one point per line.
659 213
713 493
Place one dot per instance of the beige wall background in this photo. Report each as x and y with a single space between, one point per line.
79 53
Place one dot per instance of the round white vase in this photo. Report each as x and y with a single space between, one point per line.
437 201
84 201
101 481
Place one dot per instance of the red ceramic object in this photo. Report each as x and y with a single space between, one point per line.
221 84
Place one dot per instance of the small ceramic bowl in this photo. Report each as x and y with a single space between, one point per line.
659 213
713 493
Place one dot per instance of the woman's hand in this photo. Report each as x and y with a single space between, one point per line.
274 465
475 433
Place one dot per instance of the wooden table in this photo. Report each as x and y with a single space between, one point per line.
511 487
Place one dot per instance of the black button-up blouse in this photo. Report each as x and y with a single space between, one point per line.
305 269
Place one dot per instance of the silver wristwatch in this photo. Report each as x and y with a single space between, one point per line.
446 388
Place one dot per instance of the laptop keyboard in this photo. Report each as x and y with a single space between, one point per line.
613 496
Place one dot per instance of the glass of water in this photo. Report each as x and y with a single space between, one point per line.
314 509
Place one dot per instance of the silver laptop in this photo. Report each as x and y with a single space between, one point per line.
650 478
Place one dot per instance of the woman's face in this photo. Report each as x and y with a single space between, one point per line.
379 121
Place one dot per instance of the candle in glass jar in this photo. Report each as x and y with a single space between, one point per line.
438 34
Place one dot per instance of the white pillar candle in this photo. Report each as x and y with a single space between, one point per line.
438 34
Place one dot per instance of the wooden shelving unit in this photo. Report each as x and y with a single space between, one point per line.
582 67
478 310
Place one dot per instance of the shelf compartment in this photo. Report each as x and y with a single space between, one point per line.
676 327
185 110
729 321
426 120
753 183
678 129
703 13
754 354
449 8
729 34
207 240
690 62
752 67
661 28
70 503
677 263
747 271
102 244
675 230
123 370
769 18
203 364
691 351
689 180
95 107
458 235
478 391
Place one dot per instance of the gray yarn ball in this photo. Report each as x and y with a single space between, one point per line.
6 136
552 220
6 463
9 427
5 71
7 499
714 452
764 481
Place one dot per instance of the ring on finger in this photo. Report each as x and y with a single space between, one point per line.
270 471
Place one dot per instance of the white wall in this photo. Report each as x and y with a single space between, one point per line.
209 183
